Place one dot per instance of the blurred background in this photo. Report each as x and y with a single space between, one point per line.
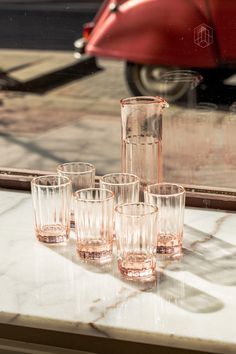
61 82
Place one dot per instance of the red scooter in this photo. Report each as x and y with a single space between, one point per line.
155 36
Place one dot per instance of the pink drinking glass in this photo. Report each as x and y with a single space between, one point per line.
136 237
170 201
94 211
51 201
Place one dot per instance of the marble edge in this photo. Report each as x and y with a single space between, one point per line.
137 336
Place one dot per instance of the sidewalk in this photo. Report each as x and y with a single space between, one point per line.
78 121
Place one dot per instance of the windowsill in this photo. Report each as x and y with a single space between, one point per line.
192 307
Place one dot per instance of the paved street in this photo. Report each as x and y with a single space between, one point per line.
78 121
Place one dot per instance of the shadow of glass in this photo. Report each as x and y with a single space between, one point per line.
168 288
208 257
187 297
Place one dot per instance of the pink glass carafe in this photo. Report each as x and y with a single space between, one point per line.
141 137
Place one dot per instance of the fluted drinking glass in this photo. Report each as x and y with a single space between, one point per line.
94 211
136 236
125 187
170 201
51 202
81 174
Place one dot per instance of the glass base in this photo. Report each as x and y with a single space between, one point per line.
53 234
169 245
95 250
137 267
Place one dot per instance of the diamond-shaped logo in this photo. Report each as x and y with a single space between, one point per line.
203 35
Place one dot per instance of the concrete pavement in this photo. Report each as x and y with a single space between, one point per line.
78 121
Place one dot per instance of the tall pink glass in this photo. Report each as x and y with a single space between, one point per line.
169 198
141 135
94 212
51 202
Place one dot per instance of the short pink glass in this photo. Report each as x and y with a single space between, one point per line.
136 237
170 201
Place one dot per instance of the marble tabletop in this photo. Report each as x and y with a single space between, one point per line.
192 305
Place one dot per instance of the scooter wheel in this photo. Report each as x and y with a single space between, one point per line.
144 80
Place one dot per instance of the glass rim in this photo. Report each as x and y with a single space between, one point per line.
59 167
77 198
206 107
154 207
186 75
137 179
144 100
181 192
66 182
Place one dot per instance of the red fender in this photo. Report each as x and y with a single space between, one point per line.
153 32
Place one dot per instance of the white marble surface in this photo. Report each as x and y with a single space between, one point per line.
192 306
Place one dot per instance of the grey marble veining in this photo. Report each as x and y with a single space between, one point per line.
192 305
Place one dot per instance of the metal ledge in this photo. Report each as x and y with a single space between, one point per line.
196 196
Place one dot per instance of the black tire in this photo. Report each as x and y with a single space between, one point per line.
214 88
141 81
215 76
